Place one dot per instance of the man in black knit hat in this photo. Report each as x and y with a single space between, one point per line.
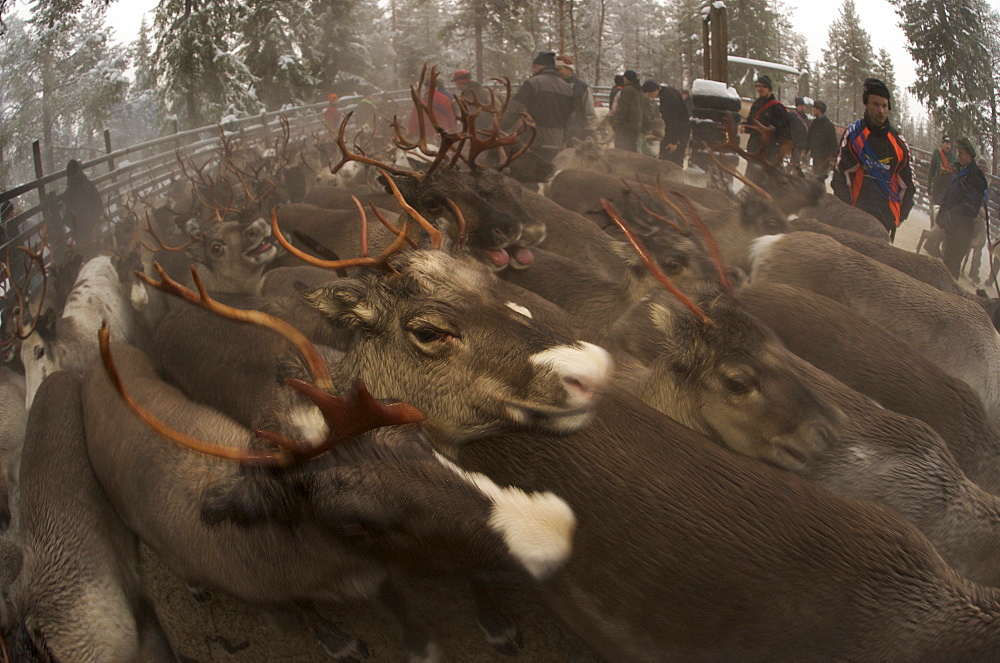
548 99
769 112
873 172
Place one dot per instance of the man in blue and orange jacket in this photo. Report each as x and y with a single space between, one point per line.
873 172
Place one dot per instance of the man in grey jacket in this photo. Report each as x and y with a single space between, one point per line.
548 99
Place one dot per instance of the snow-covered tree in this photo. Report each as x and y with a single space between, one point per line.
847 61
61 81
953 43
199 69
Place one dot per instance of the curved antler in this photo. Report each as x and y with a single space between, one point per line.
651 265
713 246
347 156
347 416
735 173
33 258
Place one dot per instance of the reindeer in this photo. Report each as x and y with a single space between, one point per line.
923 268
952 331
868 358
687 551
351 571
78 596
66 340
13 422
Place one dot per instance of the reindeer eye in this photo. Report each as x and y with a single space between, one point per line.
674 266
217 249
39 352
433 205
736 385
430 335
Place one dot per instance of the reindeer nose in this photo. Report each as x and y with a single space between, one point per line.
582 367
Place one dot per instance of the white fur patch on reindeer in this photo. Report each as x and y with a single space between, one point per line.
523 310
759 250
310 423
537 527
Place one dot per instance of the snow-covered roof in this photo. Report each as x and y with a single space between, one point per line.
706 88
763 64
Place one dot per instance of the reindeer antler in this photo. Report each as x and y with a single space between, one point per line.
713 246
33 257
650 263
347 155
345 417
735 173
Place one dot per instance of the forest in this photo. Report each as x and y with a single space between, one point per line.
65 76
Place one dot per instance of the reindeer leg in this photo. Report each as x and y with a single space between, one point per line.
500 629
419 646
338 643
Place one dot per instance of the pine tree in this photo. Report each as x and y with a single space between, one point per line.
201 73
953 43
847 61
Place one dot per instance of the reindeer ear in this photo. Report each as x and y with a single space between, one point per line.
345 301
46 324
406 184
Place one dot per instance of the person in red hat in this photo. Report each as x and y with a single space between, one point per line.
331 116
474 95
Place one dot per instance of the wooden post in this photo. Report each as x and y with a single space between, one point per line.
722 44
36 155
706 43
108 150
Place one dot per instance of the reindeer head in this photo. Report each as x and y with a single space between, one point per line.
731 380
435 334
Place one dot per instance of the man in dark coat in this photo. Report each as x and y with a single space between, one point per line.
548 99
942 160
771 113
83 210
627 121
822 145
873 172
965 194
676 125
798 126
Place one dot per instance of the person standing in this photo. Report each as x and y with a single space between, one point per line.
942 160
676 124
444 115
615 91
627 121
769 112
652 123
822 145
960 205
331 114
475 96
798 125
548 99
583 119
873 171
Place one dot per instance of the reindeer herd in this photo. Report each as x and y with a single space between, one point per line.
692 423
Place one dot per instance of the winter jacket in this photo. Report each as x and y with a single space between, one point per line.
676 117
548 99
822 140
771 112
583 119
939 161
629 115
964 196
878 178
443 114
798 126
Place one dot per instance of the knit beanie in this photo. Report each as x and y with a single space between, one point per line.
963 143
545 59
765 80
876 87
